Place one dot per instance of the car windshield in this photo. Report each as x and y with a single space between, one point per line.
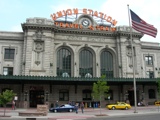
65 106
121 103
62 106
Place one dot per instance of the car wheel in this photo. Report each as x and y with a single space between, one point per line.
113 108
55 111
126 108
70 110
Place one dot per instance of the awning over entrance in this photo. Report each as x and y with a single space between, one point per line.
69 80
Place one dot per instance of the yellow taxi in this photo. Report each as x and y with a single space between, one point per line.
119 105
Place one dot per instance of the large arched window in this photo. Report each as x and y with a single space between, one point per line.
107 64
85 64
151 94
64 63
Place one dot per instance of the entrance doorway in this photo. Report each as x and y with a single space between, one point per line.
36 97
131 96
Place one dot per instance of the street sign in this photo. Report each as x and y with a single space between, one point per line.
157 103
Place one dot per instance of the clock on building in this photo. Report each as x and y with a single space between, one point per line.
85 22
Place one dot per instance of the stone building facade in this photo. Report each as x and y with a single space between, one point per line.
44 51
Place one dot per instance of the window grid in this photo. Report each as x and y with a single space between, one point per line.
87 95
63 63
150 74
8 70
107 64
149 60
9 53
85 63
63 95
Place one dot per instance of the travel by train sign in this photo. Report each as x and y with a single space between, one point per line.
69 13
157 103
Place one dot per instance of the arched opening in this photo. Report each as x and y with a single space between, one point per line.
64 63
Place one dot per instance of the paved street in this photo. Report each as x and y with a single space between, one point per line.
153 116
89 113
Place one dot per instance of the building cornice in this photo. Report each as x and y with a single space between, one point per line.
121 31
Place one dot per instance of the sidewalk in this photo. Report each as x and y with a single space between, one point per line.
88 113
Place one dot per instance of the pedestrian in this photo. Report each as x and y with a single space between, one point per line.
13 105
82 106
57 104
76 108
69 103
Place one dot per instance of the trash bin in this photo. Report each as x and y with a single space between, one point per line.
96 105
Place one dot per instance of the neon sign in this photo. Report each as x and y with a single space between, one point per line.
85 11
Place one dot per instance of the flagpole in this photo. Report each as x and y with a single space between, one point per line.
133 64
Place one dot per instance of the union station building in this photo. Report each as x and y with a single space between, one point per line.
59 60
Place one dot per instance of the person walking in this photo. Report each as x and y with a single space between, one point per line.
76 108
13 105
57 104
82 107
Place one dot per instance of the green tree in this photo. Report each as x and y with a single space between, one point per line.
100 89
6 97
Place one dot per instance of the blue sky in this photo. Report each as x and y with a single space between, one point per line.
15 12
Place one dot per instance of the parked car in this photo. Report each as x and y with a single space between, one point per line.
63 108
119 105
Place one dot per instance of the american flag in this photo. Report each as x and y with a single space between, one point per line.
141 26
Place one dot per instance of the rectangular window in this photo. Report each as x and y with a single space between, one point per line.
150 74
9 53
149 60
63 95
151 94
109 95
87 96
8 71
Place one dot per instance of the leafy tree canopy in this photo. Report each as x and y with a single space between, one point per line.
100 88
6 97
